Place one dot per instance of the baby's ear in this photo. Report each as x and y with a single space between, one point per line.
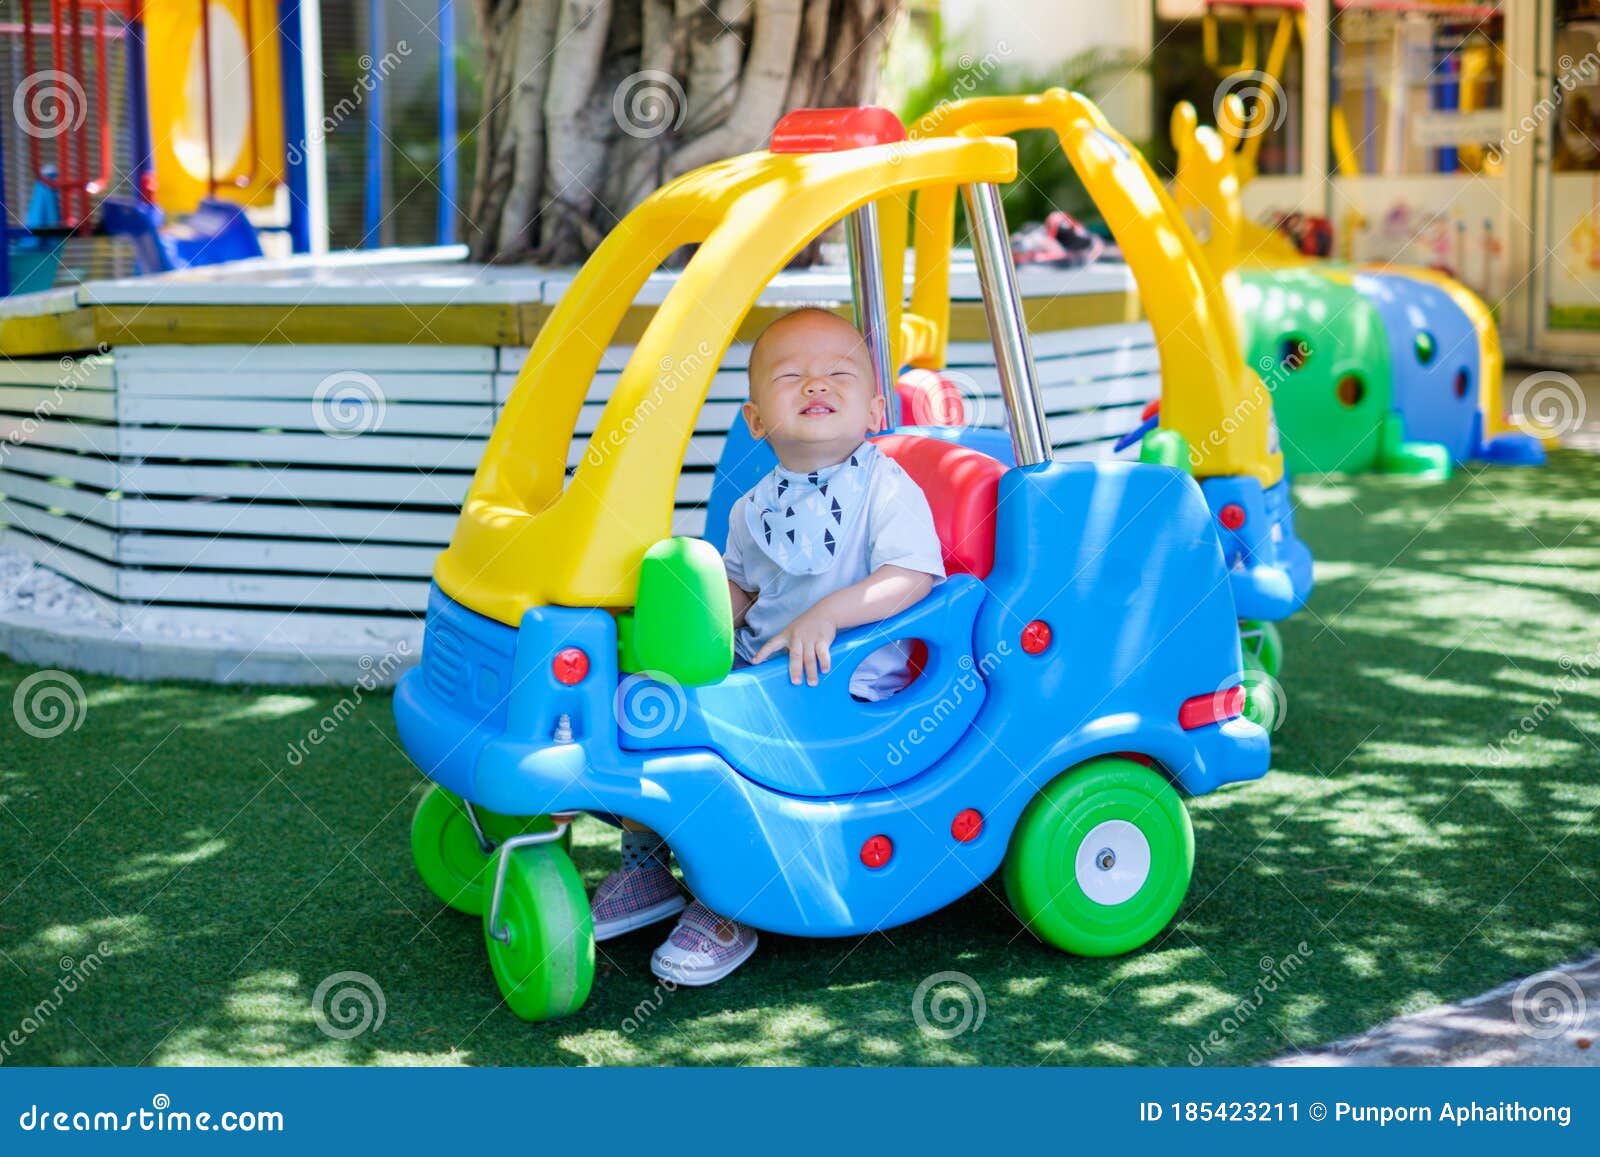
752 419
876 412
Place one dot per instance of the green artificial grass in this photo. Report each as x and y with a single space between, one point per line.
1394 858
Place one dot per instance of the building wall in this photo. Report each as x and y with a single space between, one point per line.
1041 33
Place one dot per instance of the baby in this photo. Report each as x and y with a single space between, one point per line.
836 536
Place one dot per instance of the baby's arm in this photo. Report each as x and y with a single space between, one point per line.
741 600
886 591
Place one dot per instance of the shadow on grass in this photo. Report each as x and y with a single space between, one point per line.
1404 851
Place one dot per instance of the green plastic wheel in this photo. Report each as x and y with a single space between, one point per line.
1261 640
545 964
447 853
1101 858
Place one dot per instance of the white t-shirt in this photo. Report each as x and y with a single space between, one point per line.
897 531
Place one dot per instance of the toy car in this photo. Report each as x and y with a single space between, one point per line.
1082 668
1209 395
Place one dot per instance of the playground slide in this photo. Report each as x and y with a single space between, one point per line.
241 71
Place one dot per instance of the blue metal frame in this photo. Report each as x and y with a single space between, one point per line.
295 128
139 103
448 126
377 142
5 224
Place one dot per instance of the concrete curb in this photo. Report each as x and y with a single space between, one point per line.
45 641
1550 1018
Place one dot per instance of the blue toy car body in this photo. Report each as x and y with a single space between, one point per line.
771 790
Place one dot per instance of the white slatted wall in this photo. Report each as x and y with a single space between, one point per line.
198 476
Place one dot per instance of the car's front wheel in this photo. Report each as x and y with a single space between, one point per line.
1101 858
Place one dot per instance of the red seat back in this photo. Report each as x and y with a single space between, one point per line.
962 487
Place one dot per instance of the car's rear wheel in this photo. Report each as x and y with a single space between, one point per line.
448 855
1262 640
1101 858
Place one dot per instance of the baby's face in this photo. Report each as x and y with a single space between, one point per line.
812 392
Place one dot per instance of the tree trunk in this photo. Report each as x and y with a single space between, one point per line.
590 105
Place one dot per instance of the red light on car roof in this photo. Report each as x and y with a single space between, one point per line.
833 130
1215 707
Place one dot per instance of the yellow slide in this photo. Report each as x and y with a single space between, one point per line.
244 162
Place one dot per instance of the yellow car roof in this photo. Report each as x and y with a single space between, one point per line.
526 539
1209 394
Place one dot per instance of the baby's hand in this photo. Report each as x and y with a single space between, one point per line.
807 639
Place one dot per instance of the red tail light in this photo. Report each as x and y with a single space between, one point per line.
1216 707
